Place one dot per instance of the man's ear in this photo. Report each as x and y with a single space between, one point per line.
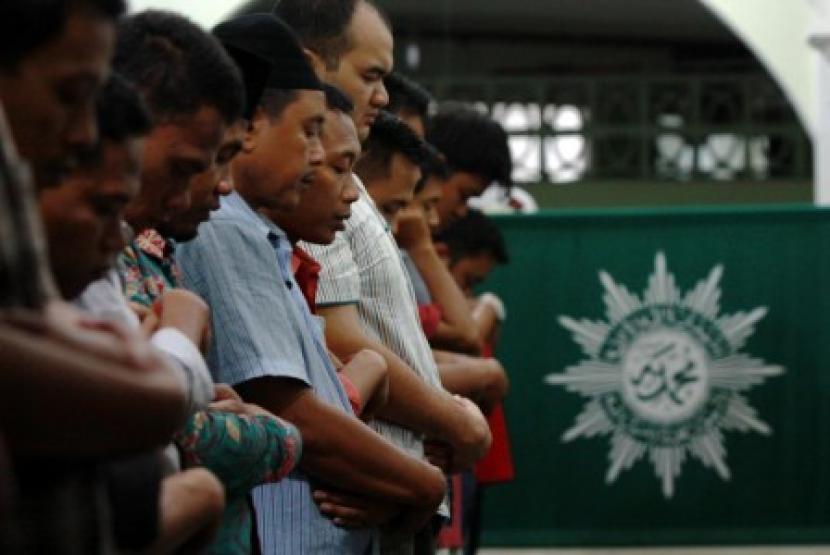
256 127
317 63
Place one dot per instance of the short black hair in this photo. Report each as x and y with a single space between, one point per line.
390 135
26 25
122 115
321 25
122 112
473 235
433 166
472 142
275 101
336 99
177 66
406 96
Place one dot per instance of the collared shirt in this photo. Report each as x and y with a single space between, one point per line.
430 313
419 286
241 265
363 267
149 268
307 273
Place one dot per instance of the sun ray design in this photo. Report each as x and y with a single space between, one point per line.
591 422
664 376
589 335
624 453
618 301
589 378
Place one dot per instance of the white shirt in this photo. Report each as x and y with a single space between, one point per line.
363 266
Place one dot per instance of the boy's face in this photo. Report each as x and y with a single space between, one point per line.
457 190
469 271
326 205
362 69
49 98
176 151
208 187
395 192
83 215
282 154
427 199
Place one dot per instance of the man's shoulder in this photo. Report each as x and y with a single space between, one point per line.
227 223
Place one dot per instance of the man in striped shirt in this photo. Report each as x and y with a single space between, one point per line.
365 295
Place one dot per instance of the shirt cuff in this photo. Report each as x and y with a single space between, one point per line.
195 375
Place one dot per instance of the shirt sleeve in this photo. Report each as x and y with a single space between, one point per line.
129 268
234 268
339 276
197 381
243 452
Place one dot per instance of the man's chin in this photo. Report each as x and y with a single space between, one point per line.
319 237
183 235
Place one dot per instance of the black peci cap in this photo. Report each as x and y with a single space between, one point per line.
255 71
267 37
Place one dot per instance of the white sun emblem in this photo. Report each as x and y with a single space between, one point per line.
664 375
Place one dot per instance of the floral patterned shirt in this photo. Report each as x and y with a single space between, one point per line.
149 267
243 452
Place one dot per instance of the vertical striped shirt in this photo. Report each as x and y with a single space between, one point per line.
240 263
364 267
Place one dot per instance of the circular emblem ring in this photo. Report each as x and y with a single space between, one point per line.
665 376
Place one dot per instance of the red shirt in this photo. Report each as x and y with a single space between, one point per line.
307 273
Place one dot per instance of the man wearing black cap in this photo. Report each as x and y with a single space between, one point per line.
267 344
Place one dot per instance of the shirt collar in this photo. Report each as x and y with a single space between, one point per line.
365 196
302 259
153 244
237 207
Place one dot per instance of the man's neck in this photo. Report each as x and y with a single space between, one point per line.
271 215
249 198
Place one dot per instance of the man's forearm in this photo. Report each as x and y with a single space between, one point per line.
481 380
460 330
45 383
413 403
341 451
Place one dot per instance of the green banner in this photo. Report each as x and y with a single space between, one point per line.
670 378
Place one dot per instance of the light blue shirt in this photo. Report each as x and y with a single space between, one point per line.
240 263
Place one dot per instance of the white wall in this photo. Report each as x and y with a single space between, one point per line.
205 12
777 32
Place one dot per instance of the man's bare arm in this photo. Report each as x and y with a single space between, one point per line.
412 403
342 451
483 380
458 330
61 401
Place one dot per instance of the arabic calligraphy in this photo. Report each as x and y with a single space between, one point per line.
665 376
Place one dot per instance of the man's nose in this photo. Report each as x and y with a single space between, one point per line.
83 129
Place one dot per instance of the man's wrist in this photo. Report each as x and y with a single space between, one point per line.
422 250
